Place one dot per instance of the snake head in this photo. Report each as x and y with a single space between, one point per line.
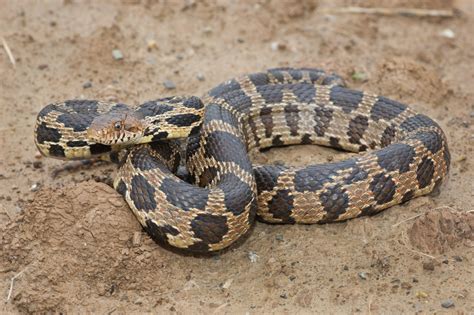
116 128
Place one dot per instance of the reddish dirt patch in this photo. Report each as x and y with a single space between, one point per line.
439 231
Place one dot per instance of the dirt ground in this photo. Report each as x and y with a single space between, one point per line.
71 244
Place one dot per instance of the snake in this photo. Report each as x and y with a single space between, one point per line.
401 154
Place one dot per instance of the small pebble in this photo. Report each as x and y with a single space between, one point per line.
37 164
457 258
117 54
279 237
277 46
345 268
448 33
359 76
200 77
136 240
428 266
207 30
447 303
252 256
38 155
43 66
227 284
151 44
168 84
283 296
421 294
406 286
35 187
362 275
87 85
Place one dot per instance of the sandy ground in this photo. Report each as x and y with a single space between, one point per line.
71 243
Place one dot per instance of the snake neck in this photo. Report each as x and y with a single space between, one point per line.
170 118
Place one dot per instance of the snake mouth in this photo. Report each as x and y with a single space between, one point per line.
121 128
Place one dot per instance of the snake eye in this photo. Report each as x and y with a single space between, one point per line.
117 126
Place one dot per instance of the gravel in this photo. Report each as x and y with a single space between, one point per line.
87 85
447 303
168 84
117 54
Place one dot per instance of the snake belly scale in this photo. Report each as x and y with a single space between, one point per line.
407 154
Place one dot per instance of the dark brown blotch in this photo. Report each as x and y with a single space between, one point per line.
280 206
425 172
383 187
334 201
386 109
209 228
142 193
322 119
357 126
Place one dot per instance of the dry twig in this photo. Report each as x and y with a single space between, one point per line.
12 281
8 51
392 11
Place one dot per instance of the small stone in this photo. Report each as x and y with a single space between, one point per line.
284 296
38 155
117 54
200 77
457 258
136 240
207 30
188 4
421 294
168 84
359 76
362 275
447 303
292 278
37 164
279 237
345 268
277 46
43 66
35 187
151 44
406 286
448 33
87 85
415 280
252 256
429 265
240 40
227 284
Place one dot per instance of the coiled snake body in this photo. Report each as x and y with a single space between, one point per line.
408 154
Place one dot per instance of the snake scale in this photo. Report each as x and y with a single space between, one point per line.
407 154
